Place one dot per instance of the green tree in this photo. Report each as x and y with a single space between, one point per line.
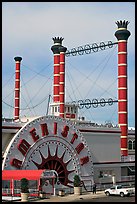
24 185
77 181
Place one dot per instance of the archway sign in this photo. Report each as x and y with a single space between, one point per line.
51 143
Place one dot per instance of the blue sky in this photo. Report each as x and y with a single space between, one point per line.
27 31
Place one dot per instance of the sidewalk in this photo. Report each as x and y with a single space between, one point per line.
71 197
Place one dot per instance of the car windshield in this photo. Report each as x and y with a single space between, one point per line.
119 187
113 187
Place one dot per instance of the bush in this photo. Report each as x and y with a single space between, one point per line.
77 181
24 185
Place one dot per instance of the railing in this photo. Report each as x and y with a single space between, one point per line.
17 191
6 191
128 158
128 178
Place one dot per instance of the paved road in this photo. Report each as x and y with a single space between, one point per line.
86 197
107 199
71 197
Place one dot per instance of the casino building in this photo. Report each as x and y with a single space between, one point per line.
64 145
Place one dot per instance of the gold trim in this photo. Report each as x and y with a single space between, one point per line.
122 40
122 53
123 136
124 148
122 100
55 84
122 124
122 64
56 74
122 76
122 111
120 88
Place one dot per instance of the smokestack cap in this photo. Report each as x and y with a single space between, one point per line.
17 59
122 33
57 44
123 24
58 40
62 49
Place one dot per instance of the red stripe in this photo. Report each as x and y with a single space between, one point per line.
56 78
62 86
122 70
122 46
122 82
122 94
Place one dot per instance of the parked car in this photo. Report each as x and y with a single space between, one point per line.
120 190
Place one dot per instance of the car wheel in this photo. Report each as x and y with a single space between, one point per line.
122 194
107 193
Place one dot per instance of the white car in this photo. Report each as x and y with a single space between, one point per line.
119 190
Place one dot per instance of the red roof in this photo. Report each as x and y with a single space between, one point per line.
19 174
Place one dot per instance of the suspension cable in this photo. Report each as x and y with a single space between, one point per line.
8 80
24 84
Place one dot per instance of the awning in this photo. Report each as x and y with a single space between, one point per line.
19 174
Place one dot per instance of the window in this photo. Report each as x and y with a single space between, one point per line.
134 145
5 183
112 188
71 110
55 109
130 144
75 110
105 173
100 174
119 187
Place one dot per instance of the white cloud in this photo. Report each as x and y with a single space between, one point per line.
28 28
77 24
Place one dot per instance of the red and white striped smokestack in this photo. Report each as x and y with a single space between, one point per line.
17 88
55 50
62 81
122 35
